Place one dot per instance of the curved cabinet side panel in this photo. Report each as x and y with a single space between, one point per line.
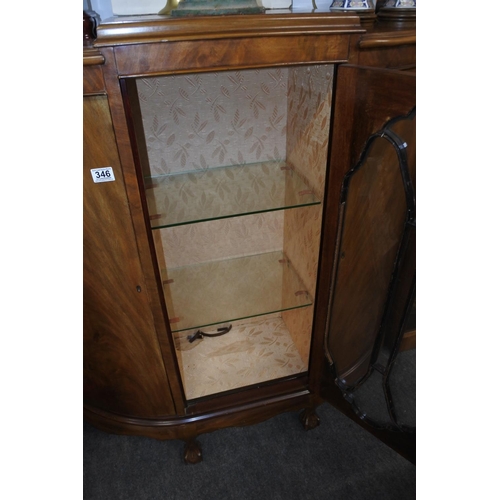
123 367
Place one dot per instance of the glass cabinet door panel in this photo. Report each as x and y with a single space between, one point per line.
374 219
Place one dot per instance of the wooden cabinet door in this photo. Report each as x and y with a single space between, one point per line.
373 169
123 370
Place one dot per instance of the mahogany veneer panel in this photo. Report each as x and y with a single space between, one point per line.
388 49
184 56
93 81
123 367
403 57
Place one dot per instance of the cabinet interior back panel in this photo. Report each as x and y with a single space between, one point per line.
219 239
211 120
255 351
205 120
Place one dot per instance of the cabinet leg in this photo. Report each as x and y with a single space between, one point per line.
309 419
192 452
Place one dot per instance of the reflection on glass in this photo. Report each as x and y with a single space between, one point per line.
374 357
216 292
403 387
402 376
406 129
225 192
374 215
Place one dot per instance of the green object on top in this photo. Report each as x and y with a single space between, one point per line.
216 7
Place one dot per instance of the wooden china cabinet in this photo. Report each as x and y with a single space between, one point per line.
248 204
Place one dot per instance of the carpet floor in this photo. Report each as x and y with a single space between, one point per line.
276 459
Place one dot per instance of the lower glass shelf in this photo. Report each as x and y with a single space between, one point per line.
217 292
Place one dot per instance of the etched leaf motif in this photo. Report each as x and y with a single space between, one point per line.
210 137
176 114
162 128
203 162
249 133
171 140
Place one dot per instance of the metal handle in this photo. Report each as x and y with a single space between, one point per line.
199 334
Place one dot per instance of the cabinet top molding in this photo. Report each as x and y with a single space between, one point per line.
148 29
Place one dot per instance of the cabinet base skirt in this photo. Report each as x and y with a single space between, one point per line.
188 426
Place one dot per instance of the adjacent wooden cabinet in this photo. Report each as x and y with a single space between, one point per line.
248 188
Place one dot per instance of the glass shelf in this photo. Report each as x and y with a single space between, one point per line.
217 292
223 192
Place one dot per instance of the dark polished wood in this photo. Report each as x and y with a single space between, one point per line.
192 452
386 47
309 419
187 427
92 56
154 29
397 18
89 28
93 80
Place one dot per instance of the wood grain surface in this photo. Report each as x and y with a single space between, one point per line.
123 367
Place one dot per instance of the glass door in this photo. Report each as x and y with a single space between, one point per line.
370 341
233 166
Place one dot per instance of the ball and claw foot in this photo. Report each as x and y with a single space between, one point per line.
309 419
192 452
